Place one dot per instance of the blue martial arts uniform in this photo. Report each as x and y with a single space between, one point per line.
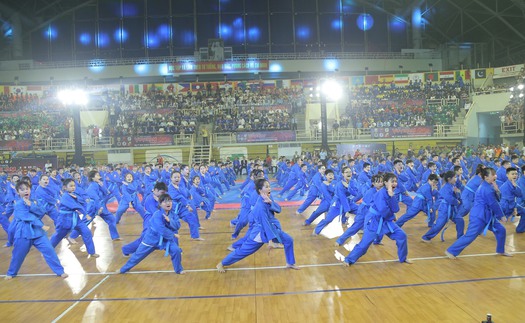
380 221
160 235
484 216
28 231
447 210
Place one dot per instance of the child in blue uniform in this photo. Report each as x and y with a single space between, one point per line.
30 231
181 196
380 222
266 229
359 220
72 211
447 210
162 234
326 189
129 188
423 202
484 216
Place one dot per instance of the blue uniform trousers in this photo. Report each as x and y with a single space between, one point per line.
475 228
42 244
368 238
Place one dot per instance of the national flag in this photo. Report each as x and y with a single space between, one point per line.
463 75
197 86
34 88
286 84
357 80
4 89
431 77
371 79
133 88
446 76
401 79
310 83
296 83
480 74
269 84
182 87
145 88
386 78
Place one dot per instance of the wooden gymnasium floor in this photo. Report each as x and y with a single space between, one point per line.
259 289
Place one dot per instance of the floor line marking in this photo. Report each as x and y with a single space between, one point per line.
267 294
79 300
271 267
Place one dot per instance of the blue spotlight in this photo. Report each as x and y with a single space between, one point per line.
103 40
365 21
120 35
164 31
225 32
416 17
141 69
237 23
51 32
85 38
336 24
276 67
331 64
397 24
303 32
254 34
152 41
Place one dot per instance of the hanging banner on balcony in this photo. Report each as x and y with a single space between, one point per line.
143 141
400 132
219 66
153 140
16 145
266 136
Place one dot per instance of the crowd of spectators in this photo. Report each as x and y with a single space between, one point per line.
403 106
37 126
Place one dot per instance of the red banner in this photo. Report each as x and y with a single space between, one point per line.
266 136
400 132
16 145
153 140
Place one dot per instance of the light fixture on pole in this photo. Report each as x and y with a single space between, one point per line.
329 90
74 100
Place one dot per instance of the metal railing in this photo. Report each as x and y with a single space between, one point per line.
235 57
98 143
512 127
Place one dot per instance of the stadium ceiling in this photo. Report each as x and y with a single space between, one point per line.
498 25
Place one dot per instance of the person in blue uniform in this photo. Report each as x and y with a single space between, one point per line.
342 202
510 192
151 205
469 191
47 197
359 220
423 202
29 230
181 196
313 190
162 234
130 189
381 216
485 215
447 210
72 211
326 189
266 229
98 195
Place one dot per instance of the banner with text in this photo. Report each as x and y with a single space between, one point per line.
233 66
400 132
266 136
16 145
